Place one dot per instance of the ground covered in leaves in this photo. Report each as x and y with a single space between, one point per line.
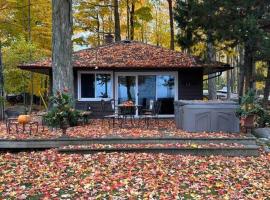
50 175
167 145
97 128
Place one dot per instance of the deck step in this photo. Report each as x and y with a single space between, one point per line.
6 144
246 150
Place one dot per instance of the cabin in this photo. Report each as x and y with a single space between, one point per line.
130 70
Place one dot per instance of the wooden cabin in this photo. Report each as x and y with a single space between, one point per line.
135 71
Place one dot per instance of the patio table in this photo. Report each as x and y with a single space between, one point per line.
125 111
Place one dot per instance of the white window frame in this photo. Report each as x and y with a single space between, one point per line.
79 87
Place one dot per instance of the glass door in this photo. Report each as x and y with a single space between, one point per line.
142 87
146 90
126 89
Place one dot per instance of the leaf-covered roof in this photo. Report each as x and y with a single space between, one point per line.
129 55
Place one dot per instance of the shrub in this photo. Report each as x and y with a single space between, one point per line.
62 114
250 105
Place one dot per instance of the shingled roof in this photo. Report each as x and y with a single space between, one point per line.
130 55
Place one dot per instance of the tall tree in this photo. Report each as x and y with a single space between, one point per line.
1 84
200 22
128 13
62 46
266 92
117 22
132 13
211 57
30 56
171 24
243 29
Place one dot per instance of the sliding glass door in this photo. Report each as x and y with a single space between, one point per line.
146 89
126 89
142 87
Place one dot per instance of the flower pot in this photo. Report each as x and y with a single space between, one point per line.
248 121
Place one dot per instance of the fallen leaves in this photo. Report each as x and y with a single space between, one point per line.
97 129
152 145
50 175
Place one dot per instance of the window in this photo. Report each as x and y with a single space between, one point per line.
94 85
165 86
88 85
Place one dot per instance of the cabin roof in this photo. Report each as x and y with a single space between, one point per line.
130 55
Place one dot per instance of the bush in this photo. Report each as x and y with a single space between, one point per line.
62 114
250 105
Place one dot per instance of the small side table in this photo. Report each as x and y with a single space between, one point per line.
13 121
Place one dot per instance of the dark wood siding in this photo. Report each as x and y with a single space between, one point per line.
95 107
190 84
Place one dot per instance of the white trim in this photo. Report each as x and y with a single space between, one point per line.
79 73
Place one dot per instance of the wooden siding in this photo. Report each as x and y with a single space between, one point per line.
190 84
95 107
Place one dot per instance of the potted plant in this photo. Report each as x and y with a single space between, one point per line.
249 109
62 114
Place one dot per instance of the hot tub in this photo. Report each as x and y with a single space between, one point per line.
209 116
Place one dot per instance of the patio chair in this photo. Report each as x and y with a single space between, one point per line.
11 116
109 109
149 110
152 113
127 112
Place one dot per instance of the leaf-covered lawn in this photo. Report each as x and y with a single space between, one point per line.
98 129
49 175
149 145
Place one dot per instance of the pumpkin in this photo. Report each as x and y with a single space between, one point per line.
24 119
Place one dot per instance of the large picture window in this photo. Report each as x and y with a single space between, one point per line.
94 85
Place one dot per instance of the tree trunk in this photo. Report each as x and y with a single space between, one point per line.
228 82
62 46
128 31
30 56
98 30
242 74
1 85
116 22
157 35
142 32
132 12
212 90
171 25
267 87
248 63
